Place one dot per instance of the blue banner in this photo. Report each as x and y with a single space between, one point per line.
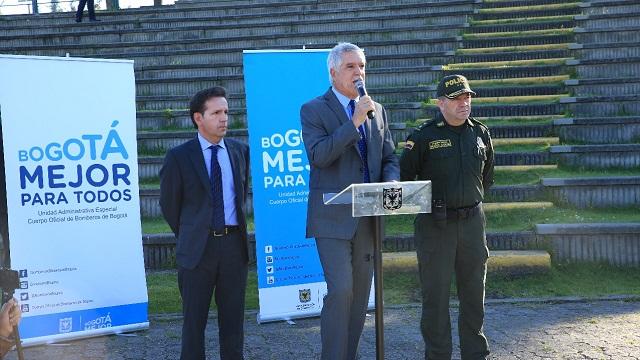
277 83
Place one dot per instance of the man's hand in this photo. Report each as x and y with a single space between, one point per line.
10 316
363 106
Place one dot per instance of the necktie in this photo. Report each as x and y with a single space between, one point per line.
362 143
216 190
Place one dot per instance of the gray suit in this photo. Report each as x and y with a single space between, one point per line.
345 244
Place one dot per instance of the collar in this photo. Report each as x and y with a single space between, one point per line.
344 101
204 143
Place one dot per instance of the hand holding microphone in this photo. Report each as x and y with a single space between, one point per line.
364 104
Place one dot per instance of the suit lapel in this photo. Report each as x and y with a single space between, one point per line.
334 104
197 160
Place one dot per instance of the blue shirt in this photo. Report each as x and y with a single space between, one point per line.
344 101
228 190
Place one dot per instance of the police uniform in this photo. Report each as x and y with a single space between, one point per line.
459 162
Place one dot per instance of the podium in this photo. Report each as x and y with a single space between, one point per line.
382 199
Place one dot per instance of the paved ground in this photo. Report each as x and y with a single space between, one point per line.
530 330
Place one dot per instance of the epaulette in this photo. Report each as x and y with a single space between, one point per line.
428 123
477 122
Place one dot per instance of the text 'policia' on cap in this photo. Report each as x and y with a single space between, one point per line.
454 85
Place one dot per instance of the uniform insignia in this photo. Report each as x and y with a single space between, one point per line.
440 124
409 145
437 144
480 143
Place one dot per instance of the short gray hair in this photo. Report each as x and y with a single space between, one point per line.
334 60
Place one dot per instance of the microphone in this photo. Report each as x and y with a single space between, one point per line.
362 92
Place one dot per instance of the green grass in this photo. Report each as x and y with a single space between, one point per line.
159 226
519 120
587 280
526 20
503 218
402 287
541 80
505 64
545 32
532 99
524 144
518 9
164 297
518 48
532 175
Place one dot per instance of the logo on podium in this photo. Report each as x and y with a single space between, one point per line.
392 198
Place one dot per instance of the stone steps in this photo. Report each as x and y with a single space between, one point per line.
489 55
246 42
245 10
486 73
623 86
614 68
625 156
597 192
516 3
611 50
309 29
608 35
599 130
600 106
524 25
380 78
289 22
526 11
617 244
516 40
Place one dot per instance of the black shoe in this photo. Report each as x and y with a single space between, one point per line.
78 19
94 20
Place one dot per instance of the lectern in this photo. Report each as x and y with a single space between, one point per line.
381 199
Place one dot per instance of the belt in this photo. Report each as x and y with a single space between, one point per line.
463 212
227 230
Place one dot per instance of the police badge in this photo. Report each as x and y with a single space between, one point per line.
392 199
304 295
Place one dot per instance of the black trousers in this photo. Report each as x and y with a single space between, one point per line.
90 7
458 246
222 272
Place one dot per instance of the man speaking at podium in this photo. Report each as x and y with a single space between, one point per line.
347 140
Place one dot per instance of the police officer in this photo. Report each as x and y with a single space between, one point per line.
454 151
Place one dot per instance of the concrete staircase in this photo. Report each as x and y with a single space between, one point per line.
557 81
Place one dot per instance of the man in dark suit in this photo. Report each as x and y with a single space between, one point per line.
344 147
203 187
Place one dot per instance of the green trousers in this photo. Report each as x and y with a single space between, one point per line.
456 246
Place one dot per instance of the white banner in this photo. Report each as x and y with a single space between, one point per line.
69 132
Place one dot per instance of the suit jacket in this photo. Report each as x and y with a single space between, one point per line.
331 142
186 200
